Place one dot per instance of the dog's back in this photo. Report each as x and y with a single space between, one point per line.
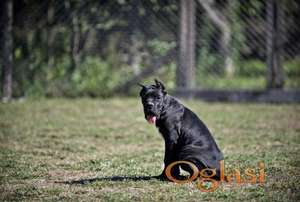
195 142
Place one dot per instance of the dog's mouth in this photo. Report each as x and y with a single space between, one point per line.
151 119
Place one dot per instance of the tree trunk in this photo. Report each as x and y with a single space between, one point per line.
6 21
185 75
50 34
75 36
275 74
135 55
220 21
75 50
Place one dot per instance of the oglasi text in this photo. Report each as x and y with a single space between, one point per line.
205 177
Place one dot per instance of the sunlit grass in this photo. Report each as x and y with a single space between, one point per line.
46 142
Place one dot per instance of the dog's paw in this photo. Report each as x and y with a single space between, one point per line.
162 177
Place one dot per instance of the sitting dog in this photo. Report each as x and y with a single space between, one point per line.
186 137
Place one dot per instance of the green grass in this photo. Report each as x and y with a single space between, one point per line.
244 83
45 143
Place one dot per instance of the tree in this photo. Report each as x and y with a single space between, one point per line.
220 21
275 74
186 66
50 33
6 20
75 53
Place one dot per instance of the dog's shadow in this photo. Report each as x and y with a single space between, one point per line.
110 178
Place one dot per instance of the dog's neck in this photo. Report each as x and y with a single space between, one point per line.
170 105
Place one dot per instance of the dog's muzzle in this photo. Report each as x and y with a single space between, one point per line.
150 115
151 119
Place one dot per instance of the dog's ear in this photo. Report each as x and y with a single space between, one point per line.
160 85
141 85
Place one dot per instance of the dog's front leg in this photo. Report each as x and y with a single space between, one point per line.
171 155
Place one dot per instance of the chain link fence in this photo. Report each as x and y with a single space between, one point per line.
99 48
233 53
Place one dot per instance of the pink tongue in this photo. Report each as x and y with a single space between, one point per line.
151 119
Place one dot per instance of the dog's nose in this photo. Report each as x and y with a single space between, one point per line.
149 104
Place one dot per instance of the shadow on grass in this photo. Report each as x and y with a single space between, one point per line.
110 178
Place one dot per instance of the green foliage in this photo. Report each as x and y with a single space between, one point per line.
208 63
29 75
94 77
58 83
292 73
251 68
238 38
249 74
208 60
107 31
97 77
235 83
292 68
160 47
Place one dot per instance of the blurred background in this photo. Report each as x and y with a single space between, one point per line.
102 48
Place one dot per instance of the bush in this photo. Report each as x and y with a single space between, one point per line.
292 68
97 77
251 68
209 63
94 77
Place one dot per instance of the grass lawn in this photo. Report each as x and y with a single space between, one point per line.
92 149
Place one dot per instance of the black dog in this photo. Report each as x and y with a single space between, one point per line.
186 137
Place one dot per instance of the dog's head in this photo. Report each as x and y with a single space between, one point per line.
153 99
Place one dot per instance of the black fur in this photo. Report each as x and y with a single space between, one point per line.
186 136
